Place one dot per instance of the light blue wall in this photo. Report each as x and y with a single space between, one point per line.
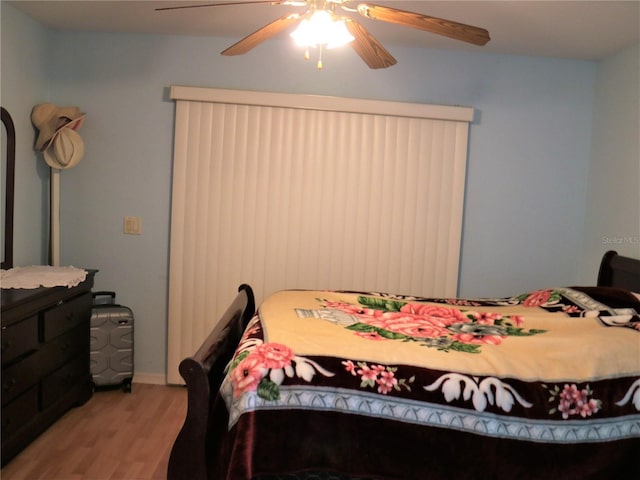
613 197
530 152
23 84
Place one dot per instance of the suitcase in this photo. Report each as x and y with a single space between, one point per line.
111 342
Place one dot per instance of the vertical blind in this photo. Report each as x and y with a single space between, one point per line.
293 191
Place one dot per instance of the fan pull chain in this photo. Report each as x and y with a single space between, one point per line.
307 56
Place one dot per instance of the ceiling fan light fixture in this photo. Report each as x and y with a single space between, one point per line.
340 35
322 28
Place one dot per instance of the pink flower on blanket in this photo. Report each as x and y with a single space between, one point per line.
574 401
446 328
273 355
386 382
384 377
264 368
350 367
370 373
247 375
446 316
537 298
411 325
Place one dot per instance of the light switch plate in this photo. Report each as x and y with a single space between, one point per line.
133 225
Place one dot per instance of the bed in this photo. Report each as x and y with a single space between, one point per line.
359 385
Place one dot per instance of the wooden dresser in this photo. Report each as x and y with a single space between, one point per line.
45 359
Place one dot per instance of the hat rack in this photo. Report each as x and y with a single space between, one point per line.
54 218
62 148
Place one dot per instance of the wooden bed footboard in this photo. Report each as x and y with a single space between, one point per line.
203 374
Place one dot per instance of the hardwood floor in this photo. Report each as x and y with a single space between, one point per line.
115 435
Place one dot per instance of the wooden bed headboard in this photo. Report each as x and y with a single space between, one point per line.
619 271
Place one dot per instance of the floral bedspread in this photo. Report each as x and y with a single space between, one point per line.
495 382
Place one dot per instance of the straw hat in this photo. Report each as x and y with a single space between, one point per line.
48 118
65 149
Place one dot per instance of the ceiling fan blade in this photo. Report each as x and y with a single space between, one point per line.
458 31
179 7
262 34
369 49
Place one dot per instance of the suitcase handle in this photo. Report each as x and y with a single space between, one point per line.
103 293
111 295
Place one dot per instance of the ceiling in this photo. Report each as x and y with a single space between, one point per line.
585 29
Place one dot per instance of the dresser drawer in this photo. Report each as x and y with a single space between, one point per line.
19 338
67 315
19 377
19 413
58 383
63 348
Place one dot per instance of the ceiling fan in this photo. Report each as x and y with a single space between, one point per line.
364 44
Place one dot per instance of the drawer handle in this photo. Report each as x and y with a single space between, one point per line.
6 346
71 316
8 385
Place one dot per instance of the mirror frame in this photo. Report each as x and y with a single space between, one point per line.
7 259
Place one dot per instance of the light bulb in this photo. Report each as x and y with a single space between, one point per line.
321 28
339 35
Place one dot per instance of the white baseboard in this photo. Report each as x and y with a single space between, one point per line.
150 378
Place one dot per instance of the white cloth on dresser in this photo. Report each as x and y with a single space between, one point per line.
36 276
